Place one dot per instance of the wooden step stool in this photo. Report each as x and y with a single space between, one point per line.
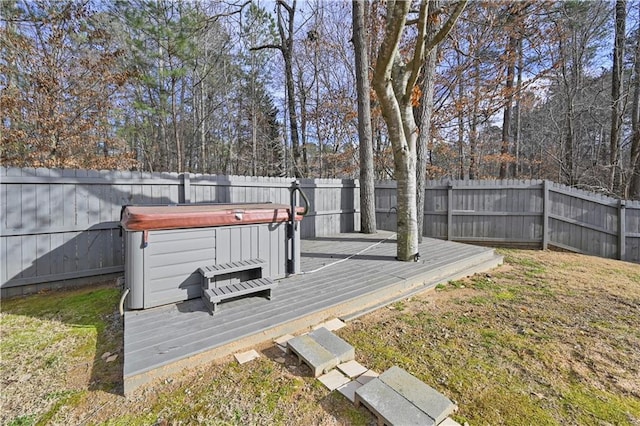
234 279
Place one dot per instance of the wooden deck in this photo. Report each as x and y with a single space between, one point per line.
343 276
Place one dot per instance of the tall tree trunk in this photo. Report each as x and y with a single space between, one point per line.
302 97
367 189
176 134
516 165
616 95
634 188
460 114
286 47
391 96
508 108
394 80
425 111
473 125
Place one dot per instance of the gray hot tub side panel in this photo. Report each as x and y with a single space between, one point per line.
166 271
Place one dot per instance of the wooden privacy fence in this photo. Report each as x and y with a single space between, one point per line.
523 213
61 226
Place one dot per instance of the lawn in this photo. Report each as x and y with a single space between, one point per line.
547 338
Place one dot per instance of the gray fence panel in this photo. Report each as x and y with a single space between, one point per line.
60 225
63 224
632 222
583 222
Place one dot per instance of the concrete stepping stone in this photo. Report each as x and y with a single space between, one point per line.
423 396
321 350
319 359
333 379
366 377
342 350
331 325
389 406
245 357
352 368
398 398
281 342
449 422
349 390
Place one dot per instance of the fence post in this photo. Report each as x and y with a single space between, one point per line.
450 211
545 214
622 225
184 188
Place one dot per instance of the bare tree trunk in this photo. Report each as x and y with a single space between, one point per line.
390 95
634 189
460 114
176 134
616 95
394 80
367 189
516 165
286 47
424 119
473 125
508 108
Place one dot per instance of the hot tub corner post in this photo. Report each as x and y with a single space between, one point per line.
134 269
293 234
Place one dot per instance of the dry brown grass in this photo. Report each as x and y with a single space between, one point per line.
548 338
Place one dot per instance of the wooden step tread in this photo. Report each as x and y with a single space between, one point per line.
210 271
239 289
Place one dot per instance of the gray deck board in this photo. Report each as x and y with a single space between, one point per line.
159 336
325 291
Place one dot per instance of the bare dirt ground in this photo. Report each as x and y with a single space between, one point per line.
547 338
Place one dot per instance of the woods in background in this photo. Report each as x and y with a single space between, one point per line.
524 89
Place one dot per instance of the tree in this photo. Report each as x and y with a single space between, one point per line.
285 19
367 195
59 85
579 27
394 81
617 99
634 186
510 55
423 116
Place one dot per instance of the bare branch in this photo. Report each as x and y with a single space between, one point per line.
285 5
446 29
266 46
418 54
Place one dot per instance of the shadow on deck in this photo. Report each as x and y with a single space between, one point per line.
343 276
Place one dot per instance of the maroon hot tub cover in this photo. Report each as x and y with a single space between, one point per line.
147 218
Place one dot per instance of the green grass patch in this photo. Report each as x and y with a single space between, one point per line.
399 306
65 398
530 267
27 420
594 406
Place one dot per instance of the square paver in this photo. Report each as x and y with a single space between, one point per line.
367 376
281 342
352 368
331 325
349 390
333 379
245 357
449 422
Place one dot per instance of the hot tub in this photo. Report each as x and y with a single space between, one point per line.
166 245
